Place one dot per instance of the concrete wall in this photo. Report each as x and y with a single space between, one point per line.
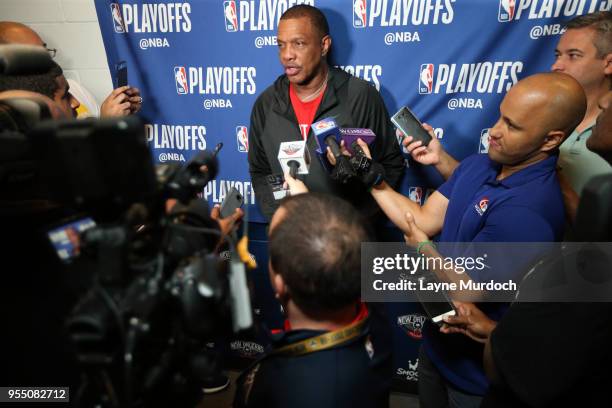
70 26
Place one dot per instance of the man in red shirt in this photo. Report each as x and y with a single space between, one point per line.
308 91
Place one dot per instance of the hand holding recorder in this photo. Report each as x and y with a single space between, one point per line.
419 140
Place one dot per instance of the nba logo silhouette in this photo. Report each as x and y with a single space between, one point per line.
506 10
180 79
118 23
359 13
415 194
426 78
484 141
231 21
242 137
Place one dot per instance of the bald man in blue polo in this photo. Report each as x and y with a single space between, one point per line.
510 195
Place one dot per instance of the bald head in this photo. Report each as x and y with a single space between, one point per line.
536 115
556 99
16 33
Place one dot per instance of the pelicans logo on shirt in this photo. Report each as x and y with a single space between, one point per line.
482 206
412 324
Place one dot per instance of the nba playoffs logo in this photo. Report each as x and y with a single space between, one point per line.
484 141
426 78
180 79
506 10
231 21
415 194
359 13
118 23
242 137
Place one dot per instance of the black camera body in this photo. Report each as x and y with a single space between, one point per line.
159 291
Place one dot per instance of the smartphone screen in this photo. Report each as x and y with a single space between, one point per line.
410 125
121 74
66 239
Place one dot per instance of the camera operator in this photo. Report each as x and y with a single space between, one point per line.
51 84
121 101
315 246
54 110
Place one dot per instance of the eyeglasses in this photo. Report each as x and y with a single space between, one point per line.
52 51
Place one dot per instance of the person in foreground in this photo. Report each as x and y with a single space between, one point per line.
333 351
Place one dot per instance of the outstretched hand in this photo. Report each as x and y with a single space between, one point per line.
427 155
412 233
470 321
229 223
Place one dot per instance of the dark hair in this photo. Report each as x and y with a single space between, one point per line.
45 84
316 248
317 18
601 22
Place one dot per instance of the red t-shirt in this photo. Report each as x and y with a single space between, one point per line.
304 111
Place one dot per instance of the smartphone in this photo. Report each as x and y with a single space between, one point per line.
410 125
121 74
437 305
233 200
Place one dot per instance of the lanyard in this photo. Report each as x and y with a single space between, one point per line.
324 341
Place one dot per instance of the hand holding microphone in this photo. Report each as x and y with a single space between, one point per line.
294 185
369 172
294 157
328 137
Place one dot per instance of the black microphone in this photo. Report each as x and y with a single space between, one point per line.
293 168
20 59
217 148
327 133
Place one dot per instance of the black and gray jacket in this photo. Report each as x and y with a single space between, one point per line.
352 102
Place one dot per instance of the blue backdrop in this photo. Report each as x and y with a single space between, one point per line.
200 65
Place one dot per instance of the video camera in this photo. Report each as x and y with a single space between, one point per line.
160 291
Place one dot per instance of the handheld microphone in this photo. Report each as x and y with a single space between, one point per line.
217 148
327 133
294 157
350 136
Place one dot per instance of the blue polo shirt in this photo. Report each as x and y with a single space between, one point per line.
524 207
